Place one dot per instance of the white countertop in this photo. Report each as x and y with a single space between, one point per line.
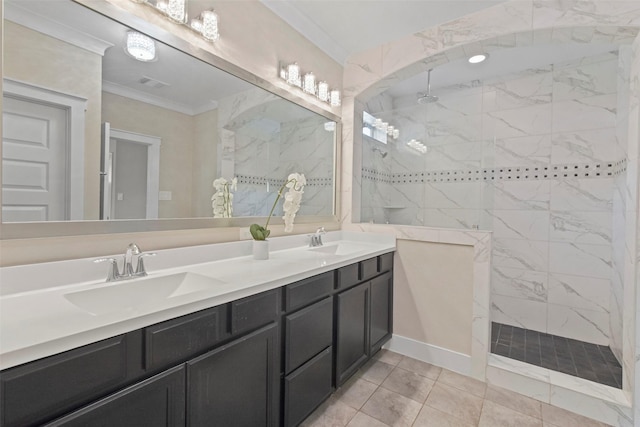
39 319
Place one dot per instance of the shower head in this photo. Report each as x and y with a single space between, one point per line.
381 151
427 98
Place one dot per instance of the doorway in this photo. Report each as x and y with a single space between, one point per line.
130 175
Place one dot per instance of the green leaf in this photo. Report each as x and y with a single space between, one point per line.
258 232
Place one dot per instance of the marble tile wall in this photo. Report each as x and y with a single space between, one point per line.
514 154
262 152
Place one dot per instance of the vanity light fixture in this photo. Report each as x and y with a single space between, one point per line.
330 126
417 146
206 24
377 129
476 59
141 47
294 76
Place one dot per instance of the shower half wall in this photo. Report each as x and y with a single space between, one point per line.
537 156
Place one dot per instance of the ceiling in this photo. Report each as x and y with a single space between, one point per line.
344 27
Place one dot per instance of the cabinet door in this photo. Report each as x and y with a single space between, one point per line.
352 335
156 402
47 388
381 311
236 384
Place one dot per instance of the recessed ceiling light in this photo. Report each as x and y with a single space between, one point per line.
476 59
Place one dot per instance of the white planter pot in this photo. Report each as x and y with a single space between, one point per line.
260 249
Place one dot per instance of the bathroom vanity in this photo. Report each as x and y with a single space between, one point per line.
269 358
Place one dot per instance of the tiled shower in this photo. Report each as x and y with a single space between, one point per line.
537 156
261 149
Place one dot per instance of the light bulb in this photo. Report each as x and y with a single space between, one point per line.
323 91
210 25
176 9
293 74
309 85
334 98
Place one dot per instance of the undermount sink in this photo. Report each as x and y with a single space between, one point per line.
339 248
129 295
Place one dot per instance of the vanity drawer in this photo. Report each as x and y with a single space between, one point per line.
178 339
368 268
254 311
40 390
348 276
306 388
385 262
308 290
307 332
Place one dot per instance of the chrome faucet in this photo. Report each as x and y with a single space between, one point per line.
127 267
316 239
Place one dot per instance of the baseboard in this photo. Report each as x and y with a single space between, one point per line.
430 353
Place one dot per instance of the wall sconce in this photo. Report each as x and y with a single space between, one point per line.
293 75
140 47
206 24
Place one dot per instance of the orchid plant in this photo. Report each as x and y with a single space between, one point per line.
292 199
222 199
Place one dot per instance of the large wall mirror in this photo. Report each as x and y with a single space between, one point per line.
91 133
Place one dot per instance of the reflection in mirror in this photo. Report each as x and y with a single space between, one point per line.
91 132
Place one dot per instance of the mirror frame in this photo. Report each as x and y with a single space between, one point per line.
29 230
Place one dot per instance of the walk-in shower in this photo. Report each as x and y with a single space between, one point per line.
531 147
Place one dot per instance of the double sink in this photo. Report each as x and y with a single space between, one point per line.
160 289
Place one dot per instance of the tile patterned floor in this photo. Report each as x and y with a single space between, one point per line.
394 390
580 359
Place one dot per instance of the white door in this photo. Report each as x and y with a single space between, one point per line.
34 161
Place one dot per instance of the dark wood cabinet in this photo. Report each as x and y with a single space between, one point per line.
49 387
352 331
381 324
266 360
156 402
236 384
363 315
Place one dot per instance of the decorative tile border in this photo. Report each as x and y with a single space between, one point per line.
502 173
261 180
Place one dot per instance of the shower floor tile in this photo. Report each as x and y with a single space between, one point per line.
581 359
